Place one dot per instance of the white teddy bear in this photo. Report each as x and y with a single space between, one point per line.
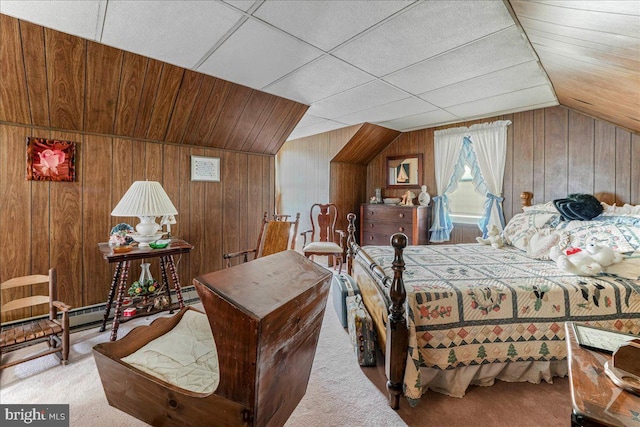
493 237
588 261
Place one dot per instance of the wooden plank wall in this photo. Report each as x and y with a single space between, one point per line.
59 224
552 152
52 79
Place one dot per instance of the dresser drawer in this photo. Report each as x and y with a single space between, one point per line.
381 213
379 239
388 227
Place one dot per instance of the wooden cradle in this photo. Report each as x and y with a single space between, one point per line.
265 316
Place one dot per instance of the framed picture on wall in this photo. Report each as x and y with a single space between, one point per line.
205 168
50 160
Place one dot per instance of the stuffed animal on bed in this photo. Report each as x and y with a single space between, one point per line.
588 261
493 237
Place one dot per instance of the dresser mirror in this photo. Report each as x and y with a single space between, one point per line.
404 171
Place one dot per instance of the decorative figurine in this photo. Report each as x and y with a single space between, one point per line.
424 198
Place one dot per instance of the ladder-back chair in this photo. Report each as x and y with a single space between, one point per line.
52 330
325 240
276 235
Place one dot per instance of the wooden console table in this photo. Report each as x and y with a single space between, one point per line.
596 400
121 274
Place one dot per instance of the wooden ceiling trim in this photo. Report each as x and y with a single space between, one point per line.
52 79
197 112
365 144
165 100
260 122
250 116
185 101
13 88
36 72
66 79
148 97
131 83
231 115
104 65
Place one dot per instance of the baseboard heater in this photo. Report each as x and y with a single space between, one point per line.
89 316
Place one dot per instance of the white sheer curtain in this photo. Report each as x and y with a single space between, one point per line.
489 142
447 148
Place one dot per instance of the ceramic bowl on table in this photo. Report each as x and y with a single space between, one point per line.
391 200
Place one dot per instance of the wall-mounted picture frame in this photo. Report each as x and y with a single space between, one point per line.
404 171
50 160
600 339
205 168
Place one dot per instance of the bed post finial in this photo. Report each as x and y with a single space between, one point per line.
351 239
526 197
397 334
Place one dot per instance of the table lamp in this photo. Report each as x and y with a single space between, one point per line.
146 200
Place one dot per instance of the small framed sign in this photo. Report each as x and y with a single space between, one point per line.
600 339
205 168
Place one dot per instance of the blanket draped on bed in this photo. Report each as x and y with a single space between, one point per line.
472 305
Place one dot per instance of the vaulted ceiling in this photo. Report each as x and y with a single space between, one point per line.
403 65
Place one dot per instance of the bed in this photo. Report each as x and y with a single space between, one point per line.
449 316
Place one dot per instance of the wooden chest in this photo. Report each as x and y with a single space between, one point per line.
265 316
379 222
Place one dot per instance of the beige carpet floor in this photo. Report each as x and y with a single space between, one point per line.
340 392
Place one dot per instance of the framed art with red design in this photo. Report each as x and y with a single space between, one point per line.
50 160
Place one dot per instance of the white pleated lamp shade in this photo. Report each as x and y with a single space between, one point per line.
145 198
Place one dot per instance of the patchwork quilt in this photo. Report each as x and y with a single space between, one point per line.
472 304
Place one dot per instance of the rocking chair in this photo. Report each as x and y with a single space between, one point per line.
275 235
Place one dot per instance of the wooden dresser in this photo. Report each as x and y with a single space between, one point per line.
379 222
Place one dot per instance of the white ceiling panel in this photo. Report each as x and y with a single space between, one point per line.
309 120
243 5
174 32
501 50
256 55
522 76
390 111
357 99
415 35
419 121
326 24
318 80
325 126
79 18
509 102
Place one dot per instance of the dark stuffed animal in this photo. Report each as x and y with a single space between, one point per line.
583 207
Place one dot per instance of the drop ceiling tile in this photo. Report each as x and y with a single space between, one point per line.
509 102
415 35
309 120
498 51
390 111
241 4
326 24
362 97
256 55
510 79
325 126
170 31
420 121
79 18
319 79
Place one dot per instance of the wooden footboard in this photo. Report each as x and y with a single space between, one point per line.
396 328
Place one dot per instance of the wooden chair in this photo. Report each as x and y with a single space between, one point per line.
325 240
52 330
275 235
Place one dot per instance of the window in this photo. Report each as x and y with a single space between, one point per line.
465 204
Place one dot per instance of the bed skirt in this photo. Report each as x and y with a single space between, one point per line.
454 382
